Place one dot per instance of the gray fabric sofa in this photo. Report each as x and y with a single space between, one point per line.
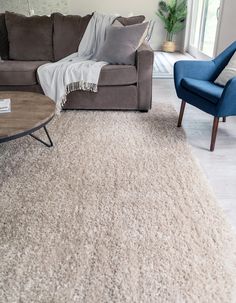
28 42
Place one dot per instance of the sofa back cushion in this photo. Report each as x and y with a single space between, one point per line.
68 32
4 45
30 38
131 20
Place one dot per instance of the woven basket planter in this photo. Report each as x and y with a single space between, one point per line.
169 47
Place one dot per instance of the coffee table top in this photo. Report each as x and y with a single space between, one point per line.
29 112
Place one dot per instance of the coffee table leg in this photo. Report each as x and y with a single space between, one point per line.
50 144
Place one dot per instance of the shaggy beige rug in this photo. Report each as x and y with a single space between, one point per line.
117 211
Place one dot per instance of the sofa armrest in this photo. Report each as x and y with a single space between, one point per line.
227 104
144 64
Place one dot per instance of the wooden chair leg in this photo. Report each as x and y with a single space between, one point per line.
181 113
214 133
224 119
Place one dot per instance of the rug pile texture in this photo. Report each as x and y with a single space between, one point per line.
117 211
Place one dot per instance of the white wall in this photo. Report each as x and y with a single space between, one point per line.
83 7
41 7
227 29
124 8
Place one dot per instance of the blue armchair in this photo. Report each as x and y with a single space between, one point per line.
194 83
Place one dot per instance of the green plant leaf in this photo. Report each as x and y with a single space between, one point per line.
162 17
178 27
182 9
173 14
172 3
163 6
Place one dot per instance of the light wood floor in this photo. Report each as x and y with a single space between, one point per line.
164 62
219 166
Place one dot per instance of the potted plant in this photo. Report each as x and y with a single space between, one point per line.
173 14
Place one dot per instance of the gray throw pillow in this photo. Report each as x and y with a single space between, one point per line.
121 44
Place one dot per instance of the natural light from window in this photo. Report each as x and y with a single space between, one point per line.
205 15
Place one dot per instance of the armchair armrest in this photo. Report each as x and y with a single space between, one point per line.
144 65
227 104
201 70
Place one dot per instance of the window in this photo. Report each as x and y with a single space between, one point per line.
205 16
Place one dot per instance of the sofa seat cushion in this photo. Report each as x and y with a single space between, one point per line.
19 72
114 75
205 89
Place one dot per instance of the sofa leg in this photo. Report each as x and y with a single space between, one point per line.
181 113
144 111
224 119
214 133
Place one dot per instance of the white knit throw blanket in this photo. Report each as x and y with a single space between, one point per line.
79 71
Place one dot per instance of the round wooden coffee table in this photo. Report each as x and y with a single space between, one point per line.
29 113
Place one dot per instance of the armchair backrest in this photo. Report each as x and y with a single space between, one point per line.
223 59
